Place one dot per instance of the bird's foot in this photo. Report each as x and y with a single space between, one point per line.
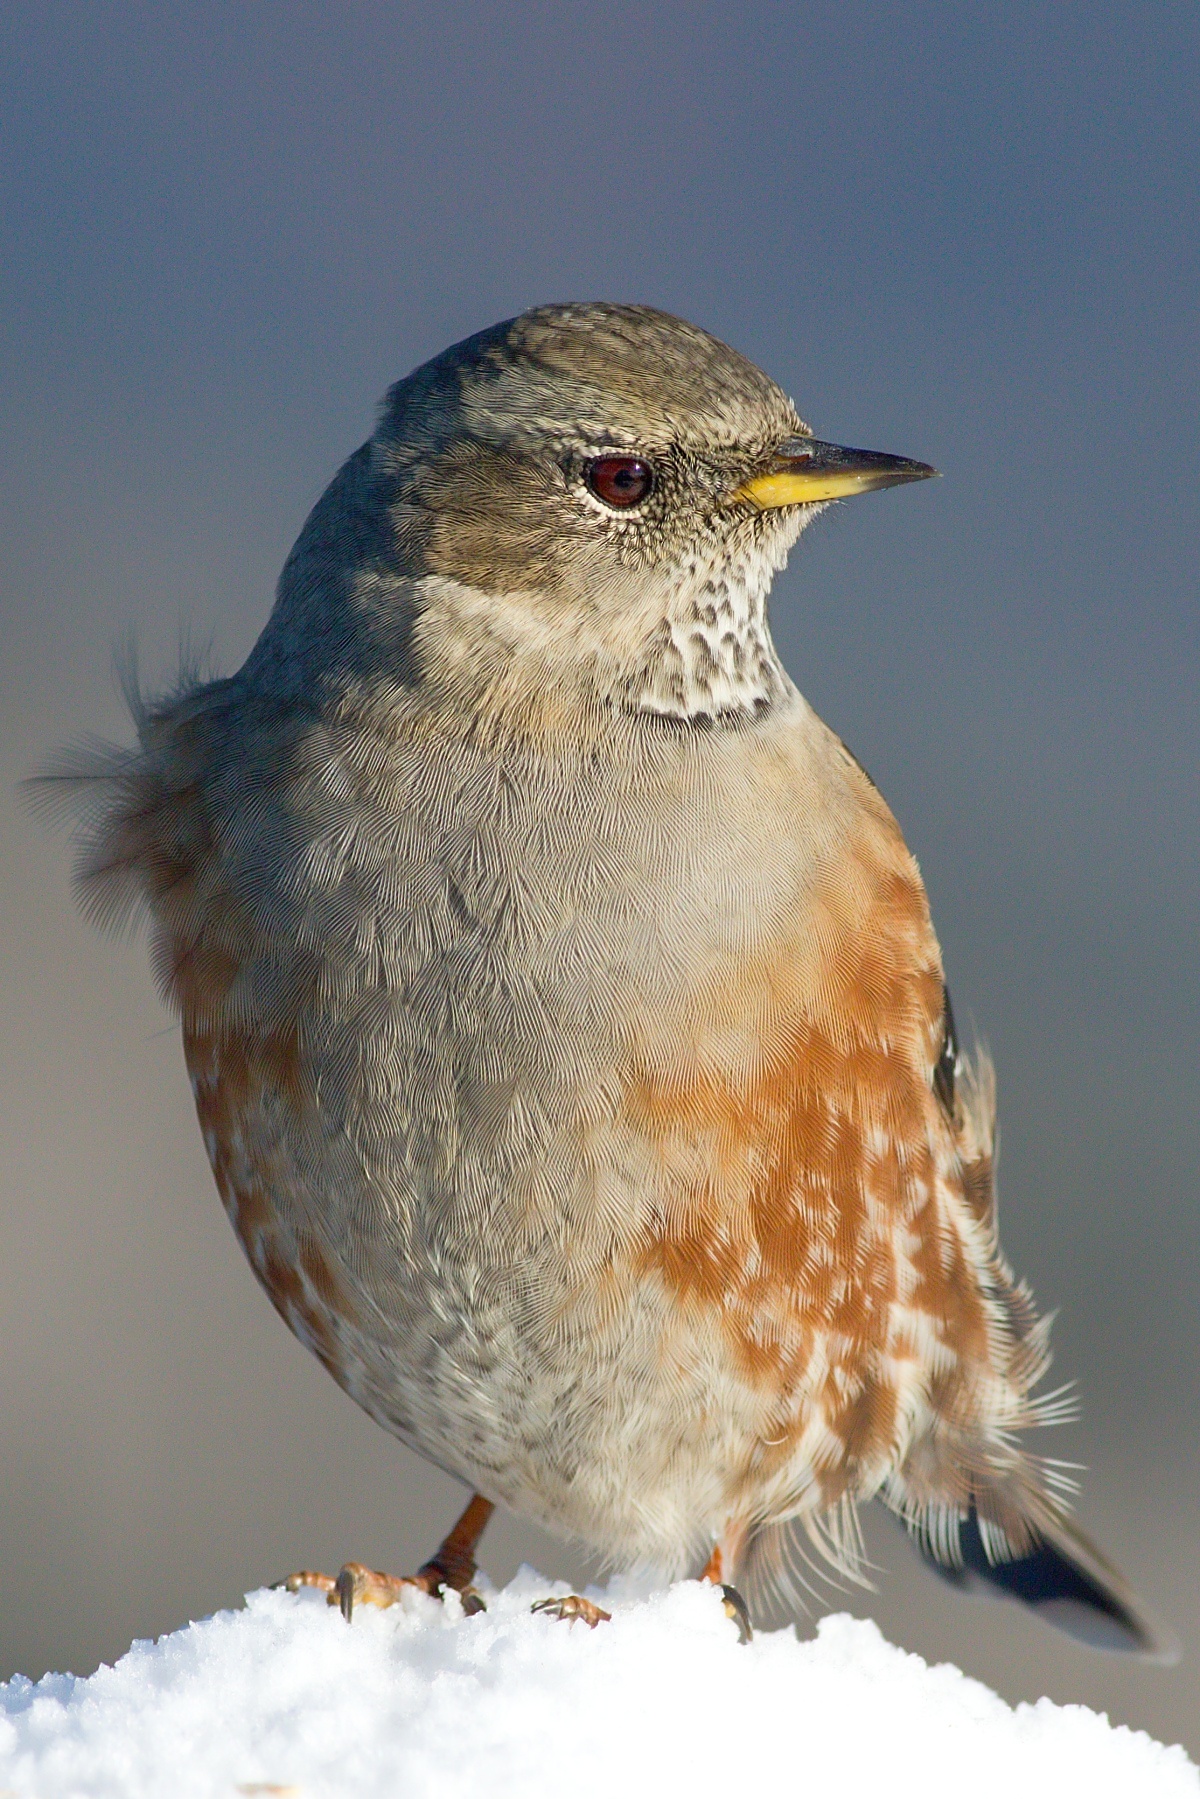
451 1569
355 1585
571 1607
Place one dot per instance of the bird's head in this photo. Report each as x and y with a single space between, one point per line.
592 499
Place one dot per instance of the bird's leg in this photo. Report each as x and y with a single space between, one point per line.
735 1606
452 1566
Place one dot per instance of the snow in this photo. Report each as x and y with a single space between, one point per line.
424 1702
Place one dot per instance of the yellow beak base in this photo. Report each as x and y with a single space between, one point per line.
806 472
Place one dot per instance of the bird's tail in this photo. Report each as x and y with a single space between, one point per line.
1058 1572
983 1511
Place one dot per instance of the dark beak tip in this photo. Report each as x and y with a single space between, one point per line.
917 471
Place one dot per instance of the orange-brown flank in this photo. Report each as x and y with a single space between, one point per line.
230 1079
800 1192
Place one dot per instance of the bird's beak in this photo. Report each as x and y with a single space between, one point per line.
804 471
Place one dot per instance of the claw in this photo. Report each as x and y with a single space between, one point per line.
359 1585
573 1606
737 1609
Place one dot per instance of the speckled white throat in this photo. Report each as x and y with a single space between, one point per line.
713 655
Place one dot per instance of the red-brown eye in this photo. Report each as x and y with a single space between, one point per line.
619 480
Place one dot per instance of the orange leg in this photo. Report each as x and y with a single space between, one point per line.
454 1564
714 1567
452 1567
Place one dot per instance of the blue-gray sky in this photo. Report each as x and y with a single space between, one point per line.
967 234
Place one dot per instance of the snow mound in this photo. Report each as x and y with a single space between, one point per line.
284 1697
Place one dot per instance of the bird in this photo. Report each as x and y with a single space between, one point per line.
566 1024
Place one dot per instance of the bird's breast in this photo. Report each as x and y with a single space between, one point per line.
643 1059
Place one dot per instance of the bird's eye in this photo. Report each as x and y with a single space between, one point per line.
619 480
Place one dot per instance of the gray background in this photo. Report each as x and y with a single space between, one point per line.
963 233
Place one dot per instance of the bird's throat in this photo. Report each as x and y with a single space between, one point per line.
712 657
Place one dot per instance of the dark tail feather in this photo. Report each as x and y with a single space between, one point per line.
1066 1580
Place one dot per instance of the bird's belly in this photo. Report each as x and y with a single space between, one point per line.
674 1315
